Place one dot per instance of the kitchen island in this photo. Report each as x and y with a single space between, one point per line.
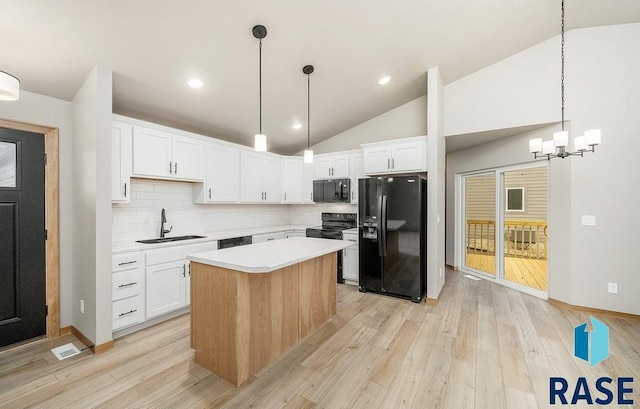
250 304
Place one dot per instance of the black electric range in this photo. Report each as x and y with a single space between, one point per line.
332 226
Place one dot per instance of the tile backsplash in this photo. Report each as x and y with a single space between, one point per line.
140 219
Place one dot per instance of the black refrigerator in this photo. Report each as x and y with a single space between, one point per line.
392 222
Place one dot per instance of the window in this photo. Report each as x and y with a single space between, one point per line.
7 164
515 199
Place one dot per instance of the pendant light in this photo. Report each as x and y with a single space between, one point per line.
557 148
260 32
9 87
308 153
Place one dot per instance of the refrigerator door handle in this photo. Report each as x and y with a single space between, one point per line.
379 229
382 226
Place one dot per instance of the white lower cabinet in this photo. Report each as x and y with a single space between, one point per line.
259 238
295 233
166 284
127 289
350 262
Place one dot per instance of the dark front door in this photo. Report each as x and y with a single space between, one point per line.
22 239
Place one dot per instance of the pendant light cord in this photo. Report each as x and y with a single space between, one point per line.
562 69
260 80
308 110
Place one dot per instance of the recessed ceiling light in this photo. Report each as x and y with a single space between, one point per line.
296 126
195 83
384 80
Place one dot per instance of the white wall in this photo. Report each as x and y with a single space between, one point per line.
45 111
311 215
602 90
91 109
436 213
140 219
517 91
402 122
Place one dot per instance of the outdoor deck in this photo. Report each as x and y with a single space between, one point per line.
525 271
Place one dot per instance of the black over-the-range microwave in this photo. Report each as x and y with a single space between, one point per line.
331 191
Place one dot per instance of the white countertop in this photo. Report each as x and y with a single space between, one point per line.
129 245
271 255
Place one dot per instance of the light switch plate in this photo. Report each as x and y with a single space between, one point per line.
588 220
612 288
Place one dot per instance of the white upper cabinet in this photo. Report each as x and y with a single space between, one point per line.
188 160
397 156
357 172
159 154
292 180
272 179
307 183
331 167
222 176
260 178
297 181
121 162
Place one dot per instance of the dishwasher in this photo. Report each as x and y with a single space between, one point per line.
234 242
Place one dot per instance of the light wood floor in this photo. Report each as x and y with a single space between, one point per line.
482 346
525 271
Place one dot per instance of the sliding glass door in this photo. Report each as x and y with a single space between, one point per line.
524 207
505 226
480 222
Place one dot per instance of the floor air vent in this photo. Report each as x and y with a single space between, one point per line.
65 351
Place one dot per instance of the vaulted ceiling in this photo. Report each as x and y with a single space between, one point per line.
154 46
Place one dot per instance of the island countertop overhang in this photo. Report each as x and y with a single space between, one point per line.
271 255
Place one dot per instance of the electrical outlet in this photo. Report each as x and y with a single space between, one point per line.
613 288
82 306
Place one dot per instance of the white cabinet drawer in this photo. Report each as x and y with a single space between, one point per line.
127 284
176 253
125 261
259 238
127 312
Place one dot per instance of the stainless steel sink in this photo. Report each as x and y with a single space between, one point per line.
169 239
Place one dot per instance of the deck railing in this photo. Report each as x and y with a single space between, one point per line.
522 238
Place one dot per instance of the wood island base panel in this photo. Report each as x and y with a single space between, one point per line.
242 322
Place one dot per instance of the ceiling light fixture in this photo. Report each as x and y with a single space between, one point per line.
557 148
308 153
296 126
260 32
195 83
384 80
9 87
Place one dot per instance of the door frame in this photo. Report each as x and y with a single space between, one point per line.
460 231
52 218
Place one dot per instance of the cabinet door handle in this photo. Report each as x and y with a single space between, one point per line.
127 285
272 238
170 167
352 195
388 163
127 263
175 168
393 163
184 270
352 240
125 190
209 193
127 313
265 195
329 171
189 269
285 196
